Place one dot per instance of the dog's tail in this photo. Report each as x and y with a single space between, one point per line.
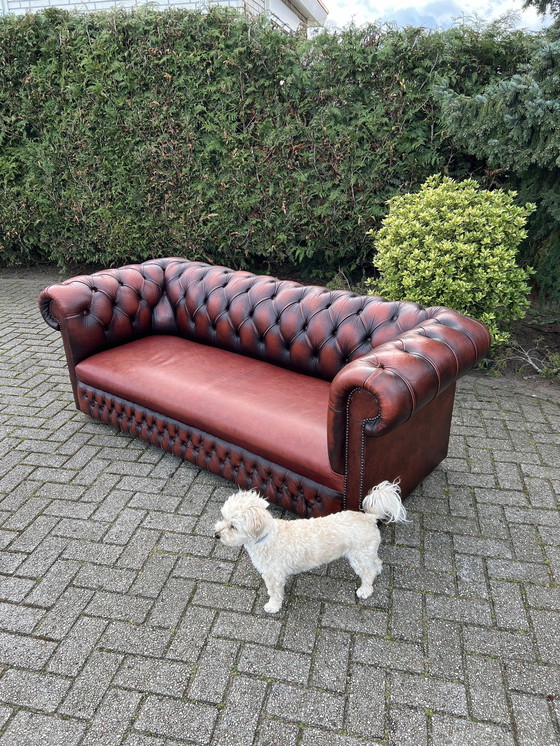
384 502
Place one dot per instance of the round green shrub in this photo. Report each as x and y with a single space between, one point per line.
455 244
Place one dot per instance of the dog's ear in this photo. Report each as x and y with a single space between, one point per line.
256 520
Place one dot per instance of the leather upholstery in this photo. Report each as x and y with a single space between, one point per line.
385 361
289 490
269 411
305 328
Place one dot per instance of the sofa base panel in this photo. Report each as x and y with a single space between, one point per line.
281 486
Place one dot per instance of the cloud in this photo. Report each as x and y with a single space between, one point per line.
429 13
432 15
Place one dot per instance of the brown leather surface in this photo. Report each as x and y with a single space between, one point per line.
305 328
409 453
389 362
289 490
404 375
269 411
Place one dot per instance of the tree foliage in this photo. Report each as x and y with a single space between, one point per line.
513 124
131 134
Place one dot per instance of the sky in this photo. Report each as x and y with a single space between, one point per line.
428 13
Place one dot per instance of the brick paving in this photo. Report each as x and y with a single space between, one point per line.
122 621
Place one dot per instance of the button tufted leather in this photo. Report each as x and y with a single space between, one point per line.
305 328
388 363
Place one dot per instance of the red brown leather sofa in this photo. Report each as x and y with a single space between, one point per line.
310 396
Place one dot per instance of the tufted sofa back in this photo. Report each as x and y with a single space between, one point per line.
309 329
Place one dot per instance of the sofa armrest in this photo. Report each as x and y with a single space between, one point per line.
403 375
108 308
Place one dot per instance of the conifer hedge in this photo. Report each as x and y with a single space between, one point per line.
128 135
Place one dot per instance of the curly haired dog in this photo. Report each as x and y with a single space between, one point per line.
280 548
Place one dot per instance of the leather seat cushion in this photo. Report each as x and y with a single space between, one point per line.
275 413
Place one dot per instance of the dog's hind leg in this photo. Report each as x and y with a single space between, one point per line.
367 565
275 588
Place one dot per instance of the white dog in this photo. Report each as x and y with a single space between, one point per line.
279 548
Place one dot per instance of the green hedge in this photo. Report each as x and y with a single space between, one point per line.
128 135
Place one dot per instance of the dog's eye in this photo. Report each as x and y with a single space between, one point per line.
233 526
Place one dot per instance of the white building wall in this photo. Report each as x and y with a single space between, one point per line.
20 7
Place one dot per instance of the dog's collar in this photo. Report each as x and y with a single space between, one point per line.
258 541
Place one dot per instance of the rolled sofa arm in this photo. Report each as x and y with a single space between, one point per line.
405 374
110 307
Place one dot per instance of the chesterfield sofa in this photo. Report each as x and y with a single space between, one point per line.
308 395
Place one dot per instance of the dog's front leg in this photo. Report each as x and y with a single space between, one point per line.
275 587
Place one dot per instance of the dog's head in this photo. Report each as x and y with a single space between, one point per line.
245 519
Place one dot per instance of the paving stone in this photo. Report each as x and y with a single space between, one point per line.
112 718
34 729
60 619
300 625
154 675
445 650
425 580
169 607
330 660
219 596
273 664
124 526
365 713
77 645
448 731
124 622
39 691
509 606
136 639
310 706
176 719
191 635
137 549
25 651
14 589
546 625
533 721
510 645
214 668
407 727
487 691
90 685
354 619
201 568
530 572
406 621
247 627
118 606
153 576
105 578
324 588
274 732
431 693
239 718
19 618
313 736
388 653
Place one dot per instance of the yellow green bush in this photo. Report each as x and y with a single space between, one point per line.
455 244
